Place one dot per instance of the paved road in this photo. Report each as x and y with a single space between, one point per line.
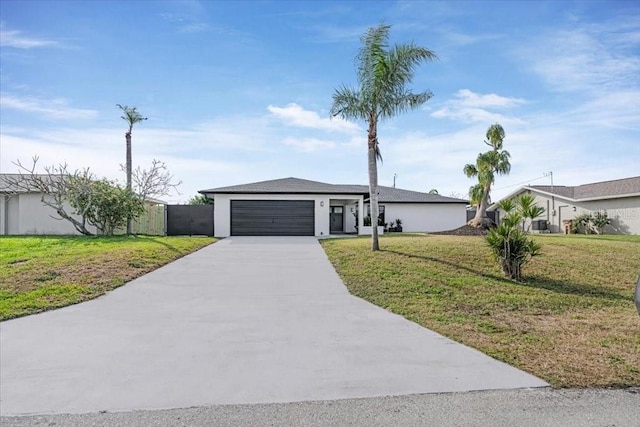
502 408
243 321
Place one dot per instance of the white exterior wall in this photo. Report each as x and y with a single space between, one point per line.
222 209
429 217
349 218
623 212
13 215
3 214
26 214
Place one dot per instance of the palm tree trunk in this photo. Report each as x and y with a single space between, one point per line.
481 220
373 181
128 138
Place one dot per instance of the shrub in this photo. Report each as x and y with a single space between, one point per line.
590 223
511 247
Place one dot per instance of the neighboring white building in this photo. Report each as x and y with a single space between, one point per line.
620 198
22 212
293 206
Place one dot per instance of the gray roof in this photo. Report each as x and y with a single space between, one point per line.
303 186
398 195
288 186
12 183
596 190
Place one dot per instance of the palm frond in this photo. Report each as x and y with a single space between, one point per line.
347 103
470 170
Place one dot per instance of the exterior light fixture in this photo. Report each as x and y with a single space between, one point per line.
321 204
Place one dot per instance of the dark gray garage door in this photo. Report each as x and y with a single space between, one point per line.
272 218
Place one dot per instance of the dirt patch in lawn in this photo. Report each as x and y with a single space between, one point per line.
465 230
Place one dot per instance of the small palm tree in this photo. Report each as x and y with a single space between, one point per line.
527 207
511 247
383 73
131 116
495 161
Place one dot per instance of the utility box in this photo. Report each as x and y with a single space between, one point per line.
539 225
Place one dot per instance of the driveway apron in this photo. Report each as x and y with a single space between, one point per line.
246 320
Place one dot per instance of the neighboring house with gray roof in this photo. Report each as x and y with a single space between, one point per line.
22 211
620 198
294 206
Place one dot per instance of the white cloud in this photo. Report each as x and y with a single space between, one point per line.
52 109
472 99
14 38
309 144
469 106
593 58
294 115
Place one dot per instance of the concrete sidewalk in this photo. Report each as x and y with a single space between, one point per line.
246 320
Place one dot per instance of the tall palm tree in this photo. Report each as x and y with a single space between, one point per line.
494 161
131 116
383 73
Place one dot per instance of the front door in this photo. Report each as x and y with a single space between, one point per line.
336 222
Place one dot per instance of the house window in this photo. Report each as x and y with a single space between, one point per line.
380 214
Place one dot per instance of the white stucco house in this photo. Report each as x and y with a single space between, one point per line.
620 198
293 206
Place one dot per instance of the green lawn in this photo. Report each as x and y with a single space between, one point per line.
39 273
573 323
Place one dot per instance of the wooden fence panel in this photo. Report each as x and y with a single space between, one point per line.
151 222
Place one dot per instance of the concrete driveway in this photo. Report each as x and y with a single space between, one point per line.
246 320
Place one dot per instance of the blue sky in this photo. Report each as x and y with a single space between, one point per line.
238 92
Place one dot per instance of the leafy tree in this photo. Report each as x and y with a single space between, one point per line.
528 209
383 73
433 191
199 199
511 247
105 205
131 116
83 200
494 161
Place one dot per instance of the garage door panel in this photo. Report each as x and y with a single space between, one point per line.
272 218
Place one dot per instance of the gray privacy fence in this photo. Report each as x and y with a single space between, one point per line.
493 215
189 220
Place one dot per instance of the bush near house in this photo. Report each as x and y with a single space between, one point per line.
590 223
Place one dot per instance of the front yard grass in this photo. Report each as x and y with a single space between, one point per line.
573 323
39 273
